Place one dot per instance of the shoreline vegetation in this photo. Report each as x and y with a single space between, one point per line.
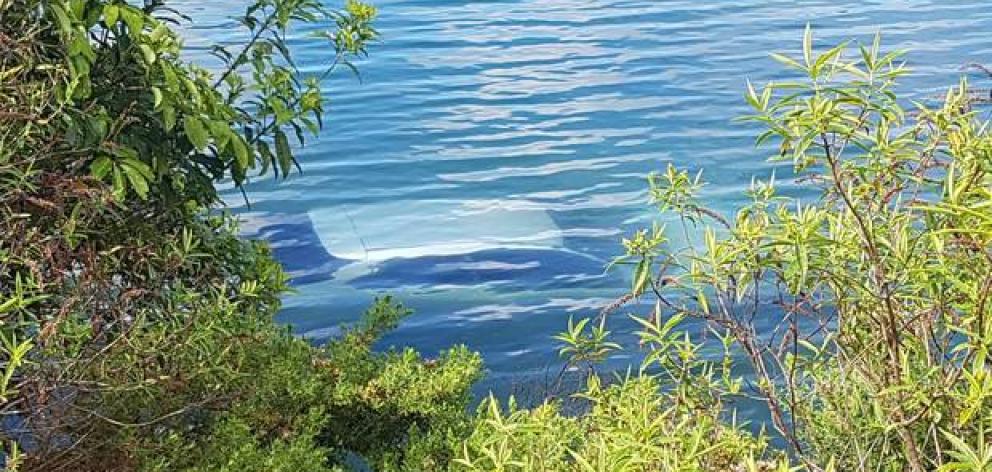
137 332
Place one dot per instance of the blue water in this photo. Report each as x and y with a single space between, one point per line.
494 153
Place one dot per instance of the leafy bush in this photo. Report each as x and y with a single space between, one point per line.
137 328
630 426
878 290
303 408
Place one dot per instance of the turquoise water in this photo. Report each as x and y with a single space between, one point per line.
495 152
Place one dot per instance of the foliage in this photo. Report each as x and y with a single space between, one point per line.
308 406
878 288
136 328
150 123
631 426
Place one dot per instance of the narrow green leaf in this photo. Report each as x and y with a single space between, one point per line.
65 24
265 155
787 61
703 304
118 182
283 154
752 96
642 275
156 97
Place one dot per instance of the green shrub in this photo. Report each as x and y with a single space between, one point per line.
631 426
136 326
877 288
299 402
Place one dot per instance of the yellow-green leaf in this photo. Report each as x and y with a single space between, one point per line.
156 97
101 167
147 54
110 13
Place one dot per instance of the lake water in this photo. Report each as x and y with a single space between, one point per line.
495 152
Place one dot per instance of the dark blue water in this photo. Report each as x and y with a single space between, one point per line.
495 152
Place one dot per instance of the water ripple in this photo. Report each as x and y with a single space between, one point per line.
495 151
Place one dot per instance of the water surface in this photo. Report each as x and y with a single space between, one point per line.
494 153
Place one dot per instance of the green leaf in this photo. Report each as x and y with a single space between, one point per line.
119 188
101 167
147 53
110 13
701 299
77 7
140 167
827 57
65 24
125 152
265 155
787 61
283 153
241 152
156 97
169 117
642 275
134 19
221 132
171 79
752 96
191 88
195 132
137 179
